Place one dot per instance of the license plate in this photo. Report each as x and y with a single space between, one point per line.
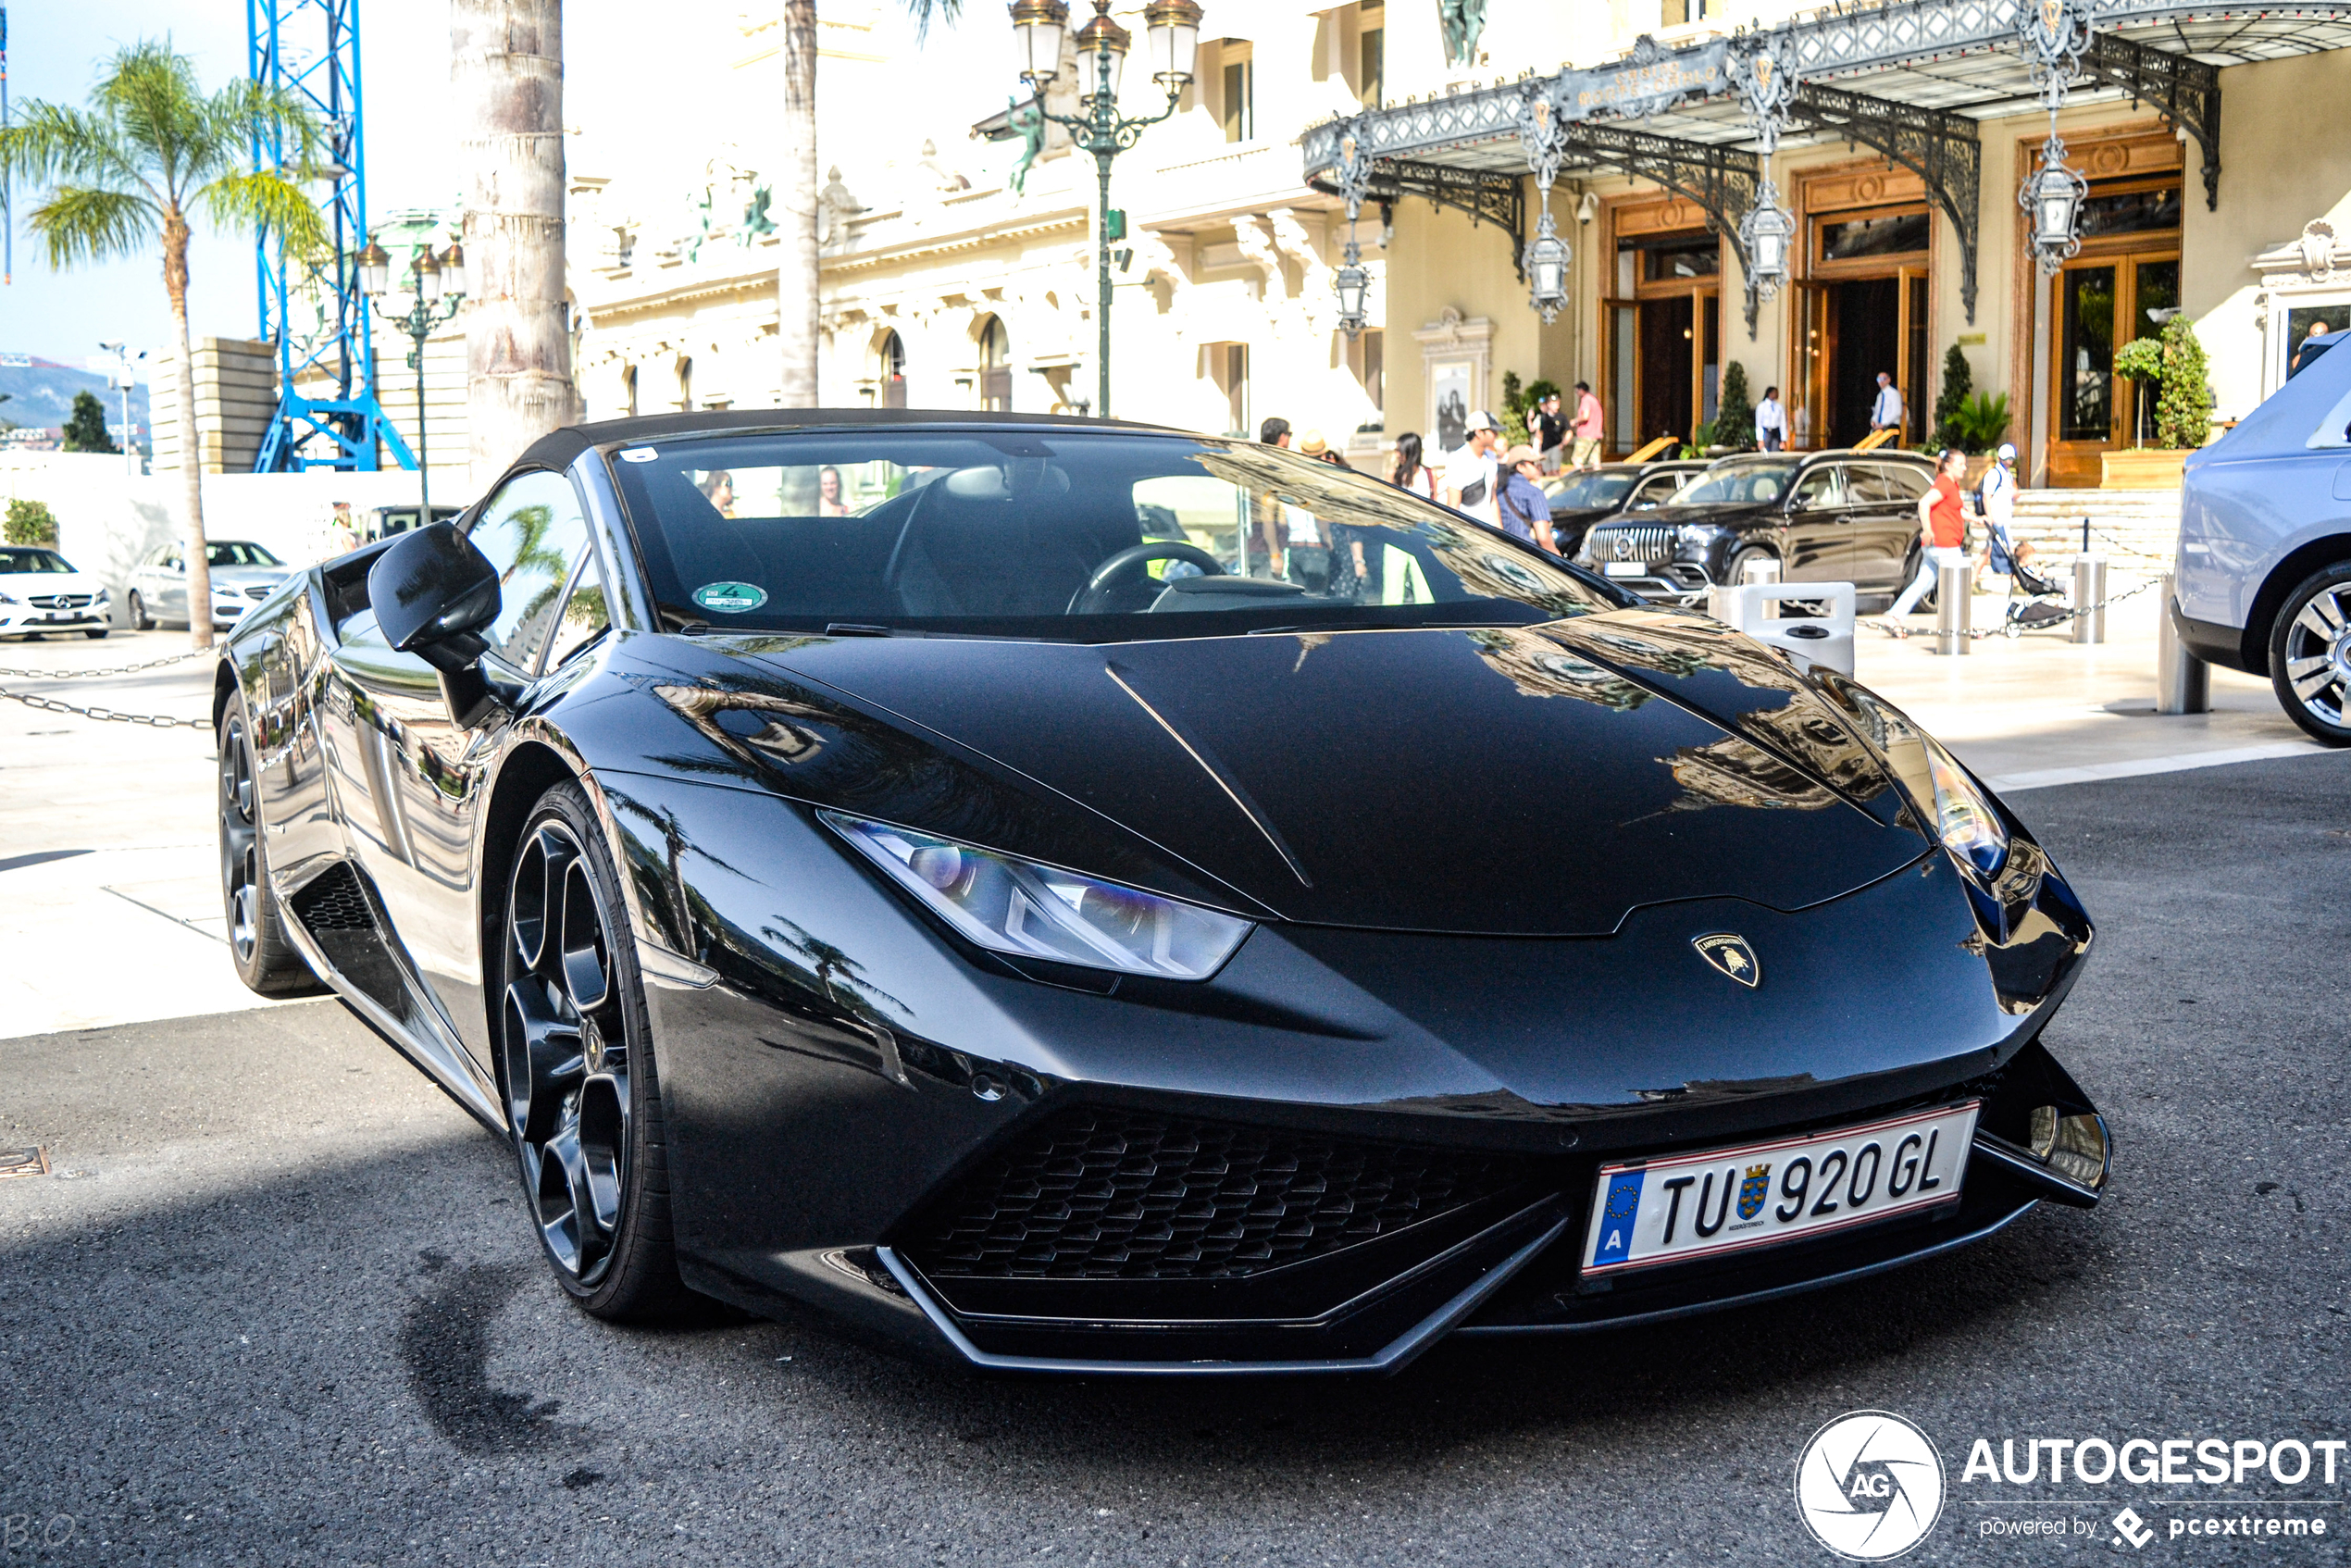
1729 1199
1624 568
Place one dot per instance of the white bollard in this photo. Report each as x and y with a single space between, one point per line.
1764 569
2183 681
1954 595
1826 640
2089 588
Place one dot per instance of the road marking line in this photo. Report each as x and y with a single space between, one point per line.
2049 776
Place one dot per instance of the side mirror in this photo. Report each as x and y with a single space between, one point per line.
432 592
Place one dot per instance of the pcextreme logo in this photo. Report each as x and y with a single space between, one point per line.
1869 1486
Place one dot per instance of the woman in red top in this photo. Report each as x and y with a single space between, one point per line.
1942 531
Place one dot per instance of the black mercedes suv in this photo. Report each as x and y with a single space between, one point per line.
1825 516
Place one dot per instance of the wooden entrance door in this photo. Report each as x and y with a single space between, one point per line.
2097 304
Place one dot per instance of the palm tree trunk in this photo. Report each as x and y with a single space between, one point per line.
796 273
506 69
174 284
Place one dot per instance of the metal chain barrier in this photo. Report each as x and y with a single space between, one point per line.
124 669
2008 628
153 721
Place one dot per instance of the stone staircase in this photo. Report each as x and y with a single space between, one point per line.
2137 529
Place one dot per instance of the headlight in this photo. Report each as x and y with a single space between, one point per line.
1031 911
1963 819
1935 782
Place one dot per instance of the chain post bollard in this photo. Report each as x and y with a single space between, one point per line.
2089 592
1764 569
2183 681
1954 595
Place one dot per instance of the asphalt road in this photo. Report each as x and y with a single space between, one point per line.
287 1312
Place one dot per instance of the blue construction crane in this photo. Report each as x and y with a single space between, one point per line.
310 49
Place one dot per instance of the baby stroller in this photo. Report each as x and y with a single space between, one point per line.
2034 603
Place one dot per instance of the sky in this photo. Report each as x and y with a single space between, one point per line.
56 48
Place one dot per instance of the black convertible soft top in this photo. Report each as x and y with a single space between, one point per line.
557 448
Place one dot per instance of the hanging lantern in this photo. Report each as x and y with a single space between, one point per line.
1173 29
2051 198
1547 259
1038 24
1352 282
1101 50
1764 233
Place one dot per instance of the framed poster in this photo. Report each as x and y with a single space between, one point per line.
1449 401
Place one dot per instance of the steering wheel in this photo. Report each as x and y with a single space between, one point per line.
1111 576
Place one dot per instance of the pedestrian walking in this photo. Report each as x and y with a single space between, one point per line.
1942 530
1995 503
1472 474
1589 422
1306 543
1770 422
1550 432
1523 509
1265 513
1887 413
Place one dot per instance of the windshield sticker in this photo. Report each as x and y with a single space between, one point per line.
730 598
639 454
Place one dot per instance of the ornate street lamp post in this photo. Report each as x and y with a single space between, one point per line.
1545 141
2055 34
1173 40
1764 79
427 309
1352 282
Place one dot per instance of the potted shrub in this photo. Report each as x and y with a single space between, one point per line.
2174 403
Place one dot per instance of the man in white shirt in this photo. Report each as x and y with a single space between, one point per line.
1472 472
1770 422
1887 413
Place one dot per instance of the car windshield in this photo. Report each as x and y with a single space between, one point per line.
18 558
1590 489
1733 484
1063 534
237 553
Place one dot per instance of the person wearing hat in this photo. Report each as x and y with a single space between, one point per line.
1521 506
1473 473
1996 502
1305 554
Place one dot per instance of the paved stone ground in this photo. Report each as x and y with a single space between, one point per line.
279 1306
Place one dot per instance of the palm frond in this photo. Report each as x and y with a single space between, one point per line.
150 92
266 200
926 12
78 224
55 145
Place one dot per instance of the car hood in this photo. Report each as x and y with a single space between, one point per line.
18 584
1535 781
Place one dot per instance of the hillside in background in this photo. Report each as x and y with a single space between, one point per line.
40 393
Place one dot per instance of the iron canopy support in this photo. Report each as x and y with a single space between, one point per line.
1941 148
2184 90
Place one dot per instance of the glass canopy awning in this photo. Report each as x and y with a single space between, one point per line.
1910 80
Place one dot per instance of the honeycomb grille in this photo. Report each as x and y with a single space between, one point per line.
1632 544
1114 1195
333 903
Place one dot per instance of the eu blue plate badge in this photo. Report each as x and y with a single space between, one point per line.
730 598
1614 1243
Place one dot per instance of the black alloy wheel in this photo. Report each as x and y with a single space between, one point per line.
264 960
2310 655
140 619
582 1105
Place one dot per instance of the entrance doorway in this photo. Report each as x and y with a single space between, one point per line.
1664 337
1863 312
2099 303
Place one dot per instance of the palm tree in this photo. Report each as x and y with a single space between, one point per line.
151 153
506 67
796 278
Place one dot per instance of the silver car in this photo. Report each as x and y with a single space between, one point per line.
2264 582
242 575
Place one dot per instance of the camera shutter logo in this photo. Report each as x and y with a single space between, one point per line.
1869 1486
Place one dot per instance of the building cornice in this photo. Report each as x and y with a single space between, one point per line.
1058 221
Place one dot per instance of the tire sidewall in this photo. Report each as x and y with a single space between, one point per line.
238 724
568 804
2312 587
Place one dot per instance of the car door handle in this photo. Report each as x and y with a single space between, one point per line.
2343 481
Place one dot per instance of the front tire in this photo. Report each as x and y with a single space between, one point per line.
2310 655
140 619
576 1068
264 960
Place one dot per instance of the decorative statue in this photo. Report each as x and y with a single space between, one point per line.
1463 20
755 219
1029 124
693 247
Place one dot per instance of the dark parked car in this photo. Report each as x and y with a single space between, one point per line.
955 916
1581 500
2264 566
1825 516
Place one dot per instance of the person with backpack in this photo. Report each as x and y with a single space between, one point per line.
1521 507
1996 503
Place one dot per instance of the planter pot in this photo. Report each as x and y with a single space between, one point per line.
2146 467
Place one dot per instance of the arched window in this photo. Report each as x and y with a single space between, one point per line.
995 365
891 353
629 388
686 385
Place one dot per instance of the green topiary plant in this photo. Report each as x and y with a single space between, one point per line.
29 522
1979 424
2184 408
1515 403
1733 425
1958 380
2141 360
